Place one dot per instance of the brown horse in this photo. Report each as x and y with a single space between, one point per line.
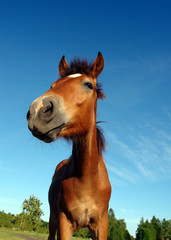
80 190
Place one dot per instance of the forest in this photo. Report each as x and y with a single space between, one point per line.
30 220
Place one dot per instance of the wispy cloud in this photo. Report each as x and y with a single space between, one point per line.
125 173
168 113
4 168
123 210
135 155
148 151
157 66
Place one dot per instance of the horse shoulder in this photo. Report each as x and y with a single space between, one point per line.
62 163
60 168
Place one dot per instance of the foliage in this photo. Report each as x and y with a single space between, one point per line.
29 219
117 228
82 233
154 230
31 213
20 222
7 220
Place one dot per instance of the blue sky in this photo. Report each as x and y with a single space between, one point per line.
135 40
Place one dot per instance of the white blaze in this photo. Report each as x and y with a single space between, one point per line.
75 75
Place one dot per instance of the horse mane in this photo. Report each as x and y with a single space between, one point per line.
78 66
82 66
101 143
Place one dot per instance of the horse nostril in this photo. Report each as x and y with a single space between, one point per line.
28 115
47 110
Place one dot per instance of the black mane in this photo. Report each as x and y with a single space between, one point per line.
78 66
101 143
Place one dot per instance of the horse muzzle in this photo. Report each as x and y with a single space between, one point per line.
46 118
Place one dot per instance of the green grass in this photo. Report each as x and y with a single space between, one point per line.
6 234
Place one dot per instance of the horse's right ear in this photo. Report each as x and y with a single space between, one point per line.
63 66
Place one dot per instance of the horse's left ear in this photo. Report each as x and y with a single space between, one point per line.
98 65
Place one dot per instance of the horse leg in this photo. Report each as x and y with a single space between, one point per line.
103 227
101 232
64 228
52 227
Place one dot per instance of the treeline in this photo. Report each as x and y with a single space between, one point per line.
21 222
154 230
30 220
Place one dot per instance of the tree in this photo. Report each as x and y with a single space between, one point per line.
145 231
111 224
166 229
82 233
146 234
157 226
31 213
128 236
117 228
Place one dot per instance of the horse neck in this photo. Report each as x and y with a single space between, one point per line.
85 156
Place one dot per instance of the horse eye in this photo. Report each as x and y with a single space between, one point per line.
89 85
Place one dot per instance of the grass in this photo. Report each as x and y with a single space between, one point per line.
6 234
9 234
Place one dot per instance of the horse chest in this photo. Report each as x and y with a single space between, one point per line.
81 205
84 212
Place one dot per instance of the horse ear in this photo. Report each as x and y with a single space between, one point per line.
98 65
63 66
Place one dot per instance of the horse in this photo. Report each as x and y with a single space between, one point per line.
80 190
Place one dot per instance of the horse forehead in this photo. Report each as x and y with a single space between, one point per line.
70 79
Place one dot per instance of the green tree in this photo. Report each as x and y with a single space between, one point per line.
157 226
111 224
128 236
31 213
82 233
120 229
117 228
145 234
145 231
166 229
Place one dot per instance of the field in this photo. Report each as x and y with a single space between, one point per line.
6 234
